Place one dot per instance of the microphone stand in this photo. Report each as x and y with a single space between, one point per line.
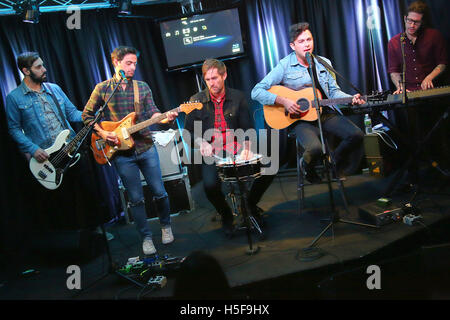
309 252
402 45
111 266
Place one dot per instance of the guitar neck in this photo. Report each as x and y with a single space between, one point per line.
149 122
74 142
331 102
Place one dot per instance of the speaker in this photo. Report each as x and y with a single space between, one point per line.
178 189
169 156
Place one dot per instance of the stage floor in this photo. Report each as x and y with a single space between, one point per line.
410 257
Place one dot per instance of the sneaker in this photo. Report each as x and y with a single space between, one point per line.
148 247
109 236
167 235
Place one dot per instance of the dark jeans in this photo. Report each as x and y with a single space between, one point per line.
128 164
348 153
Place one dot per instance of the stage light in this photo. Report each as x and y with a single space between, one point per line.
125 7
31 9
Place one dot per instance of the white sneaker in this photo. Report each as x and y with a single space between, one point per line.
148 247
167 235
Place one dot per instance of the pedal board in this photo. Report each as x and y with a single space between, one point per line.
377 215
151 266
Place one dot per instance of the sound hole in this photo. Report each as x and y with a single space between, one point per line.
303 104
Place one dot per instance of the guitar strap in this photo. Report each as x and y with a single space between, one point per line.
331 69
61 115
136 96
324 96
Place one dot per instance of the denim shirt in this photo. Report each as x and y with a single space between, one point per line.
26 122
291 74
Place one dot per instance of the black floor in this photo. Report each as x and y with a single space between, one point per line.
413 260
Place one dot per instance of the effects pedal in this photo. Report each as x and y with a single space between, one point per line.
157 281
411 219
380 215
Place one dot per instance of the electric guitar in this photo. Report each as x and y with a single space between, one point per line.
62 155
277 117
124 128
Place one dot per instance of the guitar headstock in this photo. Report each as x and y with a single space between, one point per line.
190 106
377 96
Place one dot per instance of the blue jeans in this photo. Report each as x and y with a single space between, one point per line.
347 155
128 165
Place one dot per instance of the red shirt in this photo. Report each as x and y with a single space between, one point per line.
421 58
222 135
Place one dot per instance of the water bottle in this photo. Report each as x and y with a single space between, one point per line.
368 124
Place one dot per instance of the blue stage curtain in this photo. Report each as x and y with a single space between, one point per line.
78 59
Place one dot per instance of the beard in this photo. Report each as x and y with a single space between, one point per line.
37 79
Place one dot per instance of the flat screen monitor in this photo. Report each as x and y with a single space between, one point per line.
188 41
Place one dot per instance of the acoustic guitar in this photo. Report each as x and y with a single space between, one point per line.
124 128
277 117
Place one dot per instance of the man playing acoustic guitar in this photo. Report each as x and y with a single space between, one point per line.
292 73
133 96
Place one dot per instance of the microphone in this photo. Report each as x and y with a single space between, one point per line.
308 58
122 76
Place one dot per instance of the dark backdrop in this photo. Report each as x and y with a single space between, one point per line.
352 33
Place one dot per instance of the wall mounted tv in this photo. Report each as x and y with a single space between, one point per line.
188 41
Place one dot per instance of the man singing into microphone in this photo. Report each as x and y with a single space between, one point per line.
133 96
292 72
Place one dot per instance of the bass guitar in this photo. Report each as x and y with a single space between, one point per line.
62 155
124 128
277 117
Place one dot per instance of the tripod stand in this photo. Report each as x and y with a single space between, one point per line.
238 201
234 177
309 252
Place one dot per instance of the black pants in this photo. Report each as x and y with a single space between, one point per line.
348 153
414 124
213 189
74 205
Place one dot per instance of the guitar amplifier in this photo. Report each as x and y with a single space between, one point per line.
381 159
178 189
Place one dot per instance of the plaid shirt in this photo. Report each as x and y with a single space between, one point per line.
122 104
221 133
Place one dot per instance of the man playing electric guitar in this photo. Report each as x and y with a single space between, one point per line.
133 96
292 72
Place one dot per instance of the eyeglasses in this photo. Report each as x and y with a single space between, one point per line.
411 21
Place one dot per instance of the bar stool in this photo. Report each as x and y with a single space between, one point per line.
301 176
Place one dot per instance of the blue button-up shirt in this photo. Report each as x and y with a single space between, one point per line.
291 74
27 123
